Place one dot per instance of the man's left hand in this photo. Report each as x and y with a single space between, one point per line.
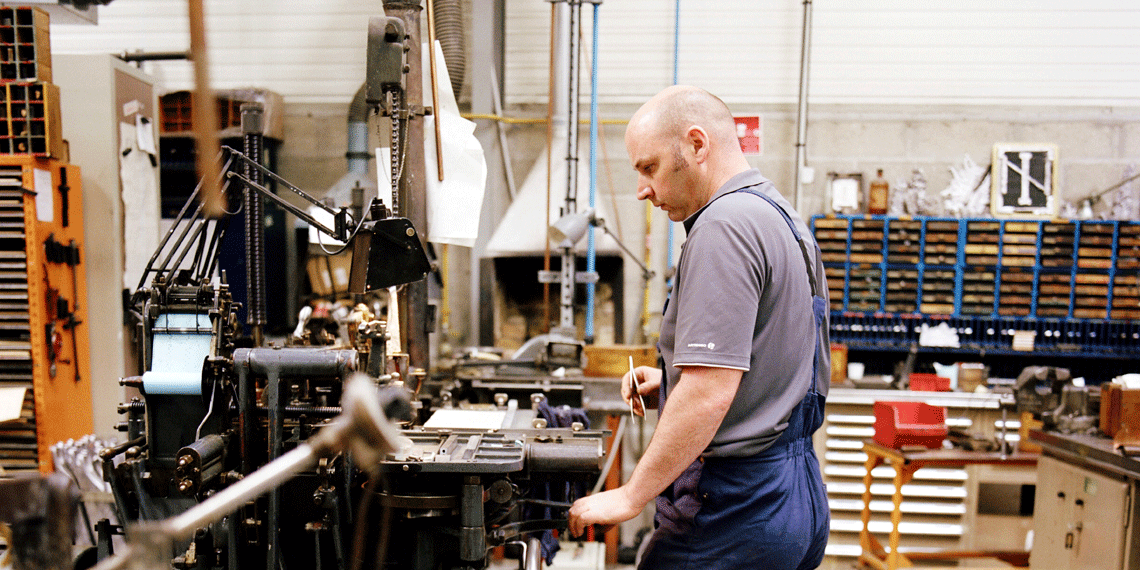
606 509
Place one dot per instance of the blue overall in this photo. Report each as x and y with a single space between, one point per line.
763 511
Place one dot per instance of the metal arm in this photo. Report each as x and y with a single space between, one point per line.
646 273
343 218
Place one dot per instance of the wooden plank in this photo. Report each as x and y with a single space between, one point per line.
933 274
1096 240
972 227
1092 290
903 248
1094 252
1022 227
980 309
941 238
1055 289
867 236
942 248
1017 261
1016 289
1093 263
942 226
902 274
1015 299
978 274
867 257
1020 238
937 308
830 223
1088 313
977 287
1014 275
830 234
980 249
1104 229
1051 228
1090 302
1026 250
1091 278
1013 311
982 238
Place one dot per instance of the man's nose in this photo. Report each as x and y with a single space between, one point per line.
643 192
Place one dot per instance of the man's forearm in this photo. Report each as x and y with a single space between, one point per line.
693 413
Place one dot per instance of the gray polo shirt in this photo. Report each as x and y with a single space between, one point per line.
742 300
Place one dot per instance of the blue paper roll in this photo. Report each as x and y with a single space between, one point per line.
177 357
183 383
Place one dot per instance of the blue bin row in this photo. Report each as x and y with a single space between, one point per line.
1052 335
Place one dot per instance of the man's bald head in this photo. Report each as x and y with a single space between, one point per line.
671 113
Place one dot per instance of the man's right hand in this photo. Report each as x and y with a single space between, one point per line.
648 385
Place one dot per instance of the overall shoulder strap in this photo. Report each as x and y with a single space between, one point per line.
792 226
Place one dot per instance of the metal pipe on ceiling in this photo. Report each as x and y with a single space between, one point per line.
802 107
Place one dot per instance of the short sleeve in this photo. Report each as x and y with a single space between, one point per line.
723 273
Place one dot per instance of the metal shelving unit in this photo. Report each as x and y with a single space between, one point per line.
1073 287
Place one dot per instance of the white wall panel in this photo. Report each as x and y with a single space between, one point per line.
977 52
309 51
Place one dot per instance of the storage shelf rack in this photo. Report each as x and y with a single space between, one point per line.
1073 285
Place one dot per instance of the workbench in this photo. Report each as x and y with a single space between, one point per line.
1086 505
905 463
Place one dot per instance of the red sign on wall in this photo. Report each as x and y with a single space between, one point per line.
750 133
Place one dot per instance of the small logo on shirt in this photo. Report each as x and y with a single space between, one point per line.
710 345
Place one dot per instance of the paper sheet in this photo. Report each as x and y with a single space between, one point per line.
467 419
45 195
11 403
454 205
137 171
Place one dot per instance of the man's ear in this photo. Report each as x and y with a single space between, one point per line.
698 141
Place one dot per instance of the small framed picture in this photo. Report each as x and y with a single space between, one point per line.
846 192
1024 180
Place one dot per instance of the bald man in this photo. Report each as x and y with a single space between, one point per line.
746 357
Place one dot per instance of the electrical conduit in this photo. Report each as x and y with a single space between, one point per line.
591 250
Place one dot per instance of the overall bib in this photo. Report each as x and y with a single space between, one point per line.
764 511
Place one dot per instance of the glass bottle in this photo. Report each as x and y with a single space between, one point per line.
878 195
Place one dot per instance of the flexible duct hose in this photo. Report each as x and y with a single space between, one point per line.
449 32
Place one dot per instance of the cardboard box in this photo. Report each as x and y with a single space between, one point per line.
1119 407
328 274
613 361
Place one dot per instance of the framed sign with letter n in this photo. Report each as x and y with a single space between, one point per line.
1024 180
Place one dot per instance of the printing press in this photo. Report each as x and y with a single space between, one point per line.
242 455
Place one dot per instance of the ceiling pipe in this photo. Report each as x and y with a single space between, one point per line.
802 110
